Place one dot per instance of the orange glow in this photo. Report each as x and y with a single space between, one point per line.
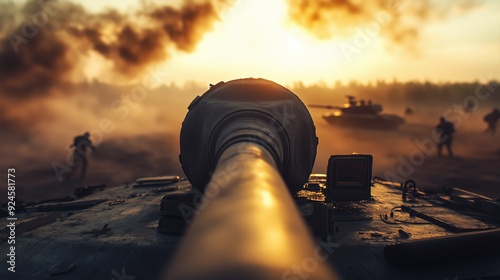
259 39
267 199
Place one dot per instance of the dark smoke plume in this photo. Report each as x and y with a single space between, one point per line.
51 38
399 20
44 43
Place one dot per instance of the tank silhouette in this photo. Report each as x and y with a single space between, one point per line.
364 115
247 211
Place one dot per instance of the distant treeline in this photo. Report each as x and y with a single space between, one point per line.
411 93
416 94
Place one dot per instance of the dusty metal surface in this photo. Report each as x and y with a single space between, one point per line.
115 238
362 231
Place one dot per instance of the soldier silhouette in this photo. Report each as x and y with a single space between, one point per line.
469 107
492 119
445 130
408 111
82 148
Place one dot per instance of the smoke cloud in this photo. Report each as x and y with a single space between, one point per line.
398 21
44 45
48 40
45 99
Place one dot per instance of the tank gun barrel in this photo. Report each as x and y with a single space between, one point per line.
248 144
325 106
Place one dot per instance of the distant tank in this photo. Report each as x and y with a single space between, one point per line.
360 115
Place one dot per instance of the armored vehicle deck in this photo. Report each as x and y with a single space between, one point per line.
129 232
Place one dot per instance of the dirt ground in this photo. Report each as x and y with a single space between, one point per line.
137 150
409 153
396 156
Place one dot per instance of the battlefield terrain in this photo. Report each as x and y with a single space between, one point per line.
138 136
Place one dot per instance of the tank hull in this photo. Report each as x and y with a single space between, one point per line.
127 240
379 122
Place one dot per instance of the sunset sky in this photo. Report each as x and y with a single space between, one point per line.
458 41
283 40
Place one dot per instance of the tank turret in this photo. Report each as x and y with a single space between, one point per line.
360 114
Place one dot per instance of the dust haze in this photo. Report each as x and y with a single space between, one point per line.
137 137
134 138
409 152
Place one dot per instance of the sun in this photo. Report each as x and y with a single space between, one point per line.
294 44
258 39
255 39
